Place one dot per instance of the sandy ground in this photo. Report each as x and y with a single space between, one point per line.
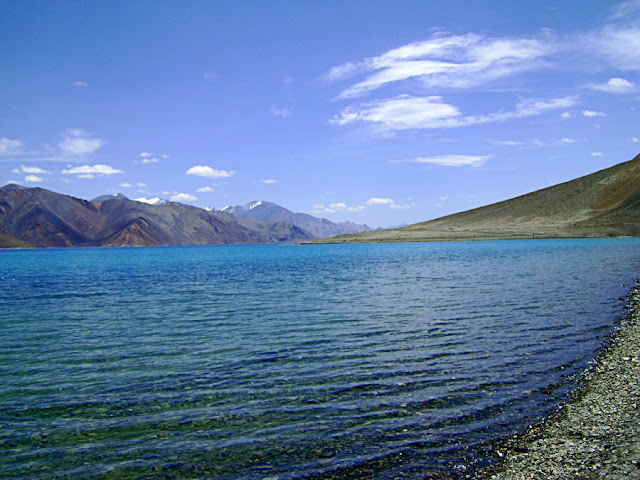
597 435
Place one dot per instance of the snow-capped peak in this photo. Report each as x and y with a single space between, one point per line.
152 201
251 206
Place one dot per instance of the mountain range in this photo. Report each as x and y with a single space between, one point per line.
35 217
602 204
270 212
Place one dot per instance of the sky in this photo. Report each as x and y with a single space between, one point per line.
377 112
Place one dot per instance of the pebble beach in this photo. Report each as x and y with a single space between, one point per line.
597 434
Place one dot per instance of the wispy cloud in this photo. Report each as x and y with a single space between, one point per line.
336 207
90 171
450 160
619 45
146 158
183 197
208 172
625 9
79 143
634 140
34 170
508 143
10 147
282 112
389 203
592 114
616 85
597 154
568 140
268 181
454 61
205 189
33 179
80 84
379 201
407 112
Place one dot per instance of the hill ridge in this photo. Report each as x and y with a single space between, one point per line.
605 203
38 217
272 212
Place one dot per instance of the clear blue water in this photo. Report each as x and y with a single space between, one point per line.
265 361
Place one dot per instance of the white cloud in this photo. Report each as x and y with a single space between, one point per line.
126 185
33 179
568 140
79 143
379 201
402 112
406 112
508 143
205 189
10 147
208 172
268 181
340 72
619 45
336 207
450 160
565 115
616 85
282 112
458 61
140 184
183 197
85 170
24 169
80 84
148 158
395 206
625 9
592 113
596 154
635 139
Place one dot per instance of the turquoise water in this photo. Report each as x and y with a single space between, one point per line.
266 361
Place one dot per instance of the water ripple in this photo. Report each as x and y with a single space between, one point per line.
260 362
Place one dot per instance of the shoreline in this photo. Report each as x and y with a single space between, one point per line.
597 434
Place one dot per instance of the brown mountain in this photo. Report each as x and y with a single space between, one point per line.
41 218
603 204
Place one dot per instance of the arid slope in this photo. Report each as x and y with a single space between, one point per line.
603 204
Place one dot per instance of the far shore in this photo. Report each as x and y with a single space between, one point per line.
422 236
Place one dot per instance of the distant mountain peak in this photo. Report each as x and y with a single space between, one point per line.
157 201
271 212
104 198
41 218
252 205
13 186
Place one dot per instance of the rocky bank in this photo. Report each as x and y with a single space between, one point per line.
595 436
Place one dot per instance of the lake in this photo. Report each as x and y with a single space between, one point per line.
283 361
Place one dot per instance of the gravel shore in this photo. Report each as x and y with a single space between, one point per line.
595 436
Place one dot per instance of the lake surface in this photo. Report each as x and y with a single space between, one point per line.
281 362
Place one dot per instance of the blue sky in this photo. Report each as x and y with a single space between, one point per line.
380 112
